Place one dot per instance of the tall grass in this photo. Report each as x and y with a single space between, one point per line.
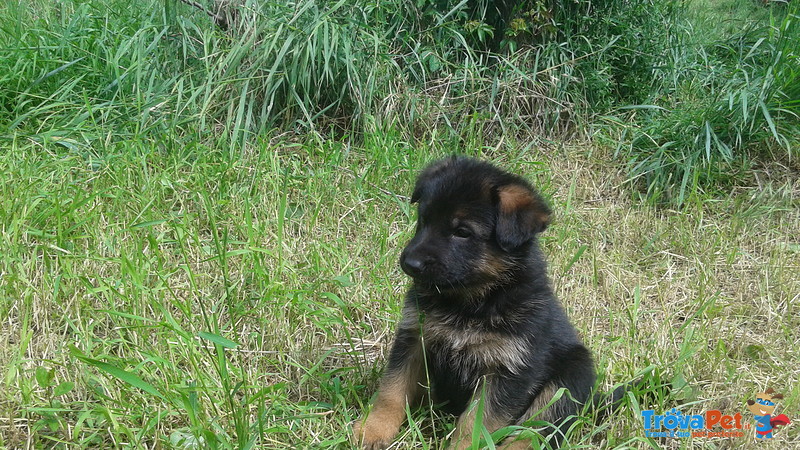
422 67
164 62
716 104
164 67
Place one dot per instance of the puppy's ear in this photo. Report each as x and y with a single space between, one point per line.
521 214
428 177
416 195
422 186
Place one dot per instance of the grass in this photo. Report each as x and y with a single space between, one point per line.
152 299
720 97
718 19
198 248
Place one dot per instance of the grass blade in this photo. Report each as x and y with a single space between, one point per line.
121 374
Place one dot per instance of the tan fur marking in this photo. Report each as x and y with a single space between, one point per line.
485 347
462 437
536 410
515 197
542 217
388 413
540 402
493 267
539 410
521 444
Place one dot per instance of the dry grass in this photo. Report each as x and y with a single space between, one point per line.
290 252
709 294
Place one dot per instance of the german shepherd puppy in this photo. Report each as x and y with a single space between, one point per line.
480 318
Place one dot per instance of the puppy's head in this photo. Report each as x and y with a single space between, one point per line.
475 224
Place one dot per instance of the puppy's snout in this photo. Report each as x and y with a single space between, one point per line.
412 265
417 257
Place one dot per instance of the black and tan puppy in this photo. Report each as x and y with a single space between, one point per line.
480 317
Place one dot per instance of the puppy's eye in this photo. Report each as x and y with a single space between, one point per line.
462 232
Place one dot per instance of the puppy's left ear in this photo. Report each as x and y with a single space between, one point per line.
521 214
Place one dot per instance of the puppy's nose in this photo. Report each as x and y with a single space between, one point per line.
411 265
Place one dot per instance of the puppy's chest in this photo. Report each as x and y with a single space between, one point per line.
475 346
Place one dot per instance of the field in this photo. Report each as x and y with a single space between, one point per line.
180 268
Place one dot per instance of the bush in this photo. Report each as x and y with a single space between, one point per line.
689 103
712 104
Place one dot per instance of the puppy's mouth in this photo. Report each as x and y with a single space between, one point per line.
428 280
424 278
447 285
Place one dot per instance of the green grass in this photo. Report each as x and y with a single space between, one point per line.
724 93
156 299
198 247
718 19
143 253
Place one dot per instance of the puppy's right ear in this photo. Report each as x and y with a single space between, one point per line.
419 190
428 177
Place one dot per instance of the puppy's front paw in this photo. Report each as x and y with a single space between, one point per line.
373 433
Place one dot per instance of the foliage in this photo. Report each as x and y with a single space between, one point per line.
714 102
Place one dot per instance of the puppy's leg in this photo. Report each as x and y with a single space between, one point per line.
401 385
560 413
493 417
575 372
554 413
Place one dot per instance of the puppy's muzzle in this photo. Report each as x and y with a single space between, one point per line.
412 266
417 259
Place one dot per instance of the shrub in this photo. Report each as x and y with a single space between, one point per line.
714 103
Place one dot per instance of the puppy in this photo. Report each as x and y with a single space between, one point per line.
480 321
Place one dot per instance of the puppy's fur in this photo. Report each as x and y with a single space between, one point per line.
480 317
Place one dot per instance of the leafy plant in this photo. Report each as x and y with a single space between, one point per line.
717 102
